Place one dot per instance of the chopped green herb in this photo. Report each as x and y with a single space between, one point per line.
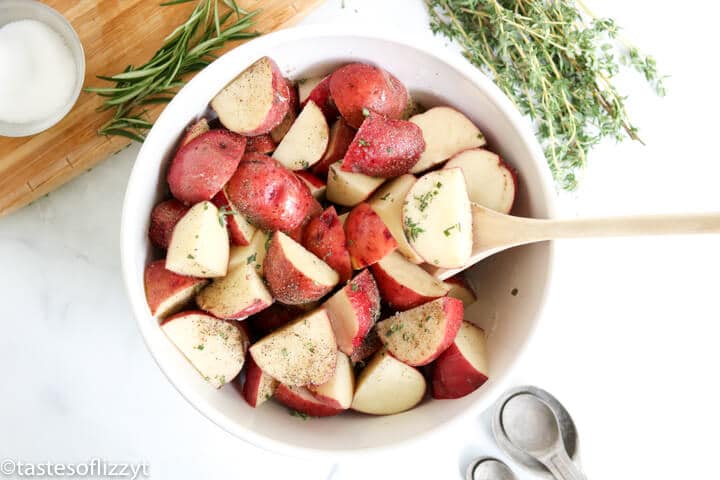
190 256
305 164
310 347
354 287
393 328
302 415
406 336
438 185
268 396
365 112
448 230
200 347
252 258
221 378
389 149
205 207
385 197
267 242
363 143
425 199
284 352
412 230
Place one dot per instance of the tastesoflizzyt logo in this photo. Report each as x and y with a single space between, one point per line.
94 468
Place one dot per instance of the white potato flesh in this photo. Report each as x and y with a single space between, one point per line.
246 228
216 348
199 245
471 342
462 292
387 386
412 276
237 295
446 132
253 253
387 202
338 392
244 104
306 86
437 218
305 143
300 353
178 300
307 263
348 188
490 182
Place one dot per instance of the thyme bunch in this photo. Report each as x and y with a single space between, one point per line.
189 48
556 61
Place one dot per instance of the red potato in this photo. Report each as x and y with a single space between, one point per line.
349 189
384 148
307 85
338 391
305 143
301 400
368 238
239 229
259 387
438 220
387 386
388 202
315 210
300 353
195 130
166 291
261 144
324 236
199 246
369 346
237 295
490 182
269 195
317 187
216 348
293 274
341 135
165 215
459 288
272 318
320 95
278 133
201 168
462 368
256 101
446 132
253 254
359 86
353 311
418 336
404 285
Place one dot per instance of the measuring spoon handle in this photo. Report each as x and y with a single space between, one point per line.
562 467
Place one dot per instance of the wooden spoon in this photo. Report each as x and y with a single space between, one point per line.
494 232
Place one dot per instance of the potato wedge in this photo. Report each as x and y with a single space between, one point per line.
387 202
306 141
324 236
368 238
463 367
166 291
404 285
237 295
259 387
341 134
338 391
163 219
349 189
239 229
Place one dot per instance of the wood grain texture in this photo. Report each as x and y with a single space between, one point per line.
114 33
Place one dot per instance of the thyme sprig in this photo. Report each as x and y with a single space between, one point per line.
556 61
189 48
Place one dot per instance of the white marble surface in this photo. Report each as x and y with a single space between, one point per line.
628 341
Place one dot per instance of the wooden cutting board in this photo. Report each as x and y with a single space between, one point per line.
114 33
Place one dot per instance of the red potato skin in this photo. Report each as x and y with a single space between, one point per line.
310 178
358 85
453 376
314 210
281 102
454 313
384 148
286 284
321 96
367 348
253 377
269 195
165 215
363 294
325 237
236 235
368 239
397 295
201 168
164 283
272 318
341 135
314 408
194 131
260 144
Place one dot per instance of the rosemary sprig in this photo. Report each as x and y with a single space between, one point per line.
555 60
189 48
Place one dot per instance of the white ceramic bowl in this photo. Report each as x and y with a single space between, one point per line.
433 79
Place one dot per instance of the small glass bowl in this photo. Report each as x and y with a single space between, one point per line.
13 10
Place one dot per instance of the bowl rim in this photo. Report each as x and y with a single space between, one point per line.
250 51
28 129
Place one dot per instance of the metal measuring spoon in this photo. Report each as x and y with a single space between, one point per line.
488 468
533 427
